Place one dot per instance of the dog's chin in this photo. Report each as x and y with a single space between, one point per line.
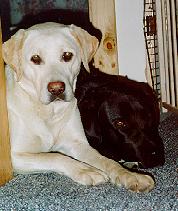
57 97
54 98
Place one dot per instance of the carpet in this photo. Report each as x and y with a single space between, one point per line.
53 192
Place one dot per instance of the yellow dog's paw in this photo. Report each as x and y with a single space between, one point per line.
90 176
133 181
140 183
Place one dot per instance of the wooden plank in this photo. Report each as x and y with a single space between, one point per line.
174 41
170 108
102 15
163 51
5 159
170 55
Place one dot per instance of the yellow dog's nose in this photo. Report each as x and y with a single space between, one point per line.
56 87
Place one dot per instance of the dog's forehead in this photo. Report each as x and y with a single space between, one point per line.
47 25
124 105
50 33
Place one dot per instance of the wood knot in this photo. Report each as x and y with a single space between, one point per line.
109 43
109 46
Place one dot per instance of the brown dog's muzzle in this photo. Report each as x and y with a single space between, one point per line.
56 87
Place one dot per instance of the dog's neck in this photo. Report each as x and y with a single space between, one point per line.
62 111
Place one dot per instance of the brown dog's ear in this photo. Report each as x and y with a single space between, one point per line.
11 51
87 43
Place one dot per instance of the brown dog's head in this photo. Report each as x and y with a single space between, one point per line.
121 118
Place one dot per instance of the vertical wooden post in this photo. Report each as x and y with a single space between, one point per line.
5 159
102 15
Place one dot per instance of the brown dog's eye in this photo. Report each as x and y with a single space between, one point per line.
36 59
67 56
119 124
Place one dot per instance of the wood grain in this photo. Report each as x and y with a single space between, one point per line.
102 15
5 159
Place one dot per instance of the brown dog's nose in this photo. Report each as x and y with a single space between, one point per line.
56 87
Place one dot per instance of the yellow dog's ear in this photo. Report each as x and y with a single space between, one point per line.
11 51
87 43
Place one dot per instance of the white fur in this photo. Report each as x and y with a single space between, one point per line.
38 126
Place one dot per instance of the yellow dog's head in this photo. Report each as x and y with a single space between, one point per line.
46 58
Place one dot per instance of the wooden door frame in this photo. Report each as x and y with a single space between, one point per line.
6 171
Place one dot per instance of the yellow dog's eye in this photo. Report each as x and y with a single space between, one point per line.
36 59
67 56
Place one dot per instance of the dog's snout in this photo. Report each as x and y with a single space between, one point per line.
56 87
